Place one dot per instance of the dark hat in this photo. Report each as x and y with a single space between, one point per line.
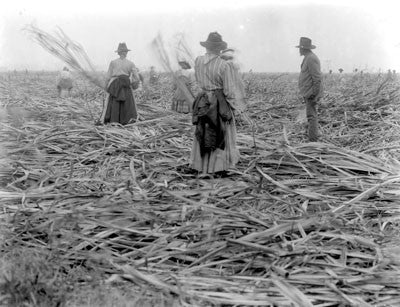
184 64
214 41
122 47
305 43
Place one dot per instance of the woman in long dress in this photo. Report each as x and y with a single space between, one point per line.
183 98
214 147
122 78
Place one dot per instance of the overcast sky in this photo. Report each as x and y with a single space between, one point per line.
348 34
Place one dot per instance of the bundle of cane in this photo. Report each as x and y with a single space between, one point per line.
182 49
68 51
240 104
159 49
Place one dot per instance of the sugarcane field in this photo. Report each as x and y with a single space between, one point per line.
184 185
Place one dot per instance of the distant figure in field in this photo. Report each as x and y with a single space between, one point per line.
310 85
153 76
64 82
340 70
389 75
183 97
122 78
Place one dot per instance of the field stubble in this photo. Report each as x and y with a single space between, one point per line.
113 216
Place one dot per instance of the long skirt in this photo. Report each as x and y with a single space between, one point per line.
122 112
217 160
181 106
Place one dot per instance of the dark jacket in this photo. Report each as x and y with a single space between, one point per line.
209 119
310 79
118 88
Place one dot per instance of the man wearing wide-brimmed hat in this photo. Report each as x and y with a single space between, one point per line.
310 85
214 147
122 78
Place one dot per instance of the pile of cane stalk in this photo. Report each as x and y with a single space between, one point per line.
296 224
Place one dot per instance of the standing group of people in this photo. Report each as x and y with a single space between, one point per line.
213 109
214 147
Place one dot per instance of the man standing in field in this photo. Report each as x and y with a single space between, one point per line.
310 85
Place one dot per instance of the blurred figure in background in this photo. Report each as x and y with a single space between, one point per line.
153 76
389 76
229 55
64 82
310 85
183 97
122 79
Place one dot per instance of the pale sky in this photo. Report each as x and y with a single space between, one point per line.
348 34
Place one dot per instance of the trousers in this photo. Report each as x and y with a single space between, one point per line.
312 119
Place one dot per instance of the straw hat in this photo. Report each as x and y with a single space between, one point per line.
214 41
122 47
305 43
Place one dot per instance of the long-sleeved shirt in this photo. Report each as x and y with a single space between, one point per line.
212 73
310 79
121 67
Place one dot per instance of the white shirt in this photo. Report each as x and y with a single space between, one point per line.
120 67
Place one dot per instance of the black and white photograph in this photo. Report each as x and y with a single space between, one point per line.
205 153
